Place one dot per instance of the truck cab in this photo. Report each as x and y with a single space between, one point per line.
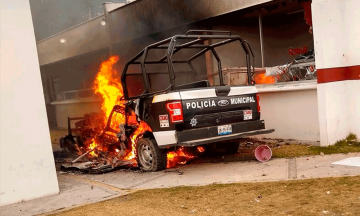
200 112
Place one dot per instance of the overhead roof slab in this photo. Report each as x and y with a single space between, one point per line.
137 19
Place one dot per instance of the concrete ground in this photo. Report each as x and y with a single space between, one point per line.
83 189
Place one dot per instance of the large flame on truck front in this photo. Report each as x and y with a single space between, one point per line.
108 85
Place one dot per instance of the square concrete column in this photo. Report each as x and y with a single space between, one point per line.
27 168
336 30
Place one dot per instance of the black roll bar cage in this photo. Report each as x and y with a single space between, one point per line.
172 48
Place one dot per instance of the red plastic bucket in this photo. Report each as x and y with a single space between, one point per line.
263 153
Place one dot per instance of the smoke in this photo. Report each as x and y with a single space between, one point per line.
53 16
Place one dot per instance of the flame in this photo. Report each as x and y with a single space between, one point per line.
142 128
92 146
200 149
108 85
261 78
181 156
178 157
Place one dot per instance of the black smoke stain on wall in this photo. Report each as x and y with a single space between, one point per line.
53 16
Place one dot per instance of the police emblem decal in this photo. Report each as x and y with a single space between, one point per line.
193 122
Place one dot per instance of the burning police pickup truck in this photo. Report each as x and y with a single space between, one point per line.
152 127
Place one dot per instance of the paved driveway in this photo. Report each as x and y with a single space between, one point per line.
88 188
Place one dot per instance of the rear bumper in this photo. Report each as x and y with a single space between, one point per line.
225 137
209 135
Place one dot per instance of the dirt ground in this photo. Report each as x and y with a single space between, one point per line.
328 196
280 148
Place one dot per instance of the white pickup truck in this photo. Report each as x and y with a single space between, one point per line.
195 113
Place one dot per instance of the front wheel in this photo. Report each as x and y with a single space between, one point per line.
149 156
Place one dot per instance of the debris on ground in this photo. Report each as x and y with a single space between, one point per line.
99 149
175 171
94 167
322 153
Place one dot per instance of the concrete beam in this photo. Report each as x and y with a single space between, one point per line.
132 21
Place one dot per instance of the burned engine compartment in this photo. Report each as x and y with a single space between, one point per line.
101 144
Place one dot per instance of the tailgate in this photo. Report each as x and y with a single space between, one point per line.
218 106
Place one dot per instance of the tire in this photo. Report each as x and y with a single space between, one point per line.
232 148
149 157
223 148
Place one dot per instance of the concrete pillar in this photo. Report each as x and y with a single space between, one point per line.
27 168
336 29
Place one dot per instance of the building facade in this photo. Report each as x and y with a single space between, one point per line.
303 105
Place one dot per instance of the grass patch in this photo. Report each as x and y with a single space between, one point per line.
350 144
343 146
300 197
293 150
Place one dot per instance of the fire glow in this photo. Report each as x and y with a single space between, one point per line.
261 78
107 84
181 156
142 128
109 87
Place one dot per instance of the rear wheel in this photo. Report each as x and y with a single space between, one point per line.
224 148
149 156
232 148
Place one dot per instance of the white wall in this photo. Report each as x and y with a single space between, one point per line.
336 32
27 168
353 87
293 114
334 114
337 42
72 109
